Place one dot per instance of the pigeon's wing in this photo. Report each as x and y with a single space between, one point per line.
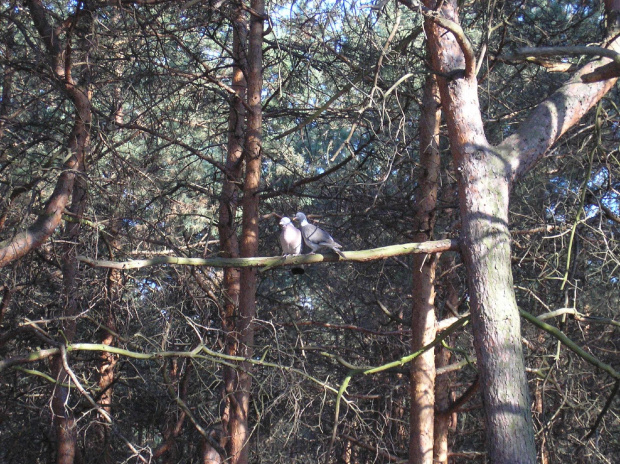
333 243
316 235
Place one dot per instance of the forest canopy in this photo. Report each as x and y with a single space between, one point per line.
466 155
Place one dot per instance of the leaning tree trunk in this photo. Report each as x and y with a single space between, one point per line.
423 319
60 61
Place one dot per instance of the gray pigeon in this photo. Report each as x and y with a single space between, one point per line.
316 237
290 238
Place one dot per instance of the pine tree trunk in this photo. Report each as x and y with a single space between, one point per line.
443 419
229 243
240 287
64 420
423 318
249 238
484 182
483 192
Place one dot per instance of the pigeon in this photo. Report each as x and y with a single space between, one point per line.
316 237
290 238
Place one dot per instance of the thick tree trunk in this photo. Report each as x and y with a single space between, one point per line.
484 177
240 287
485 245
423 318
496 324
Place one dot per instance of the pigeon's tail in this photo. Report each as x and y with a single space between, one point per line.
338 252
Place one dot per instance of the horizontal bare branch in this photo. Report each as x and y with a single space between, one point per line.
566 51
437 246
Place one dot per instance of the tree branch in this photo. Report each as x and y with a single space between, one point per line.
278 261
452 26
526 52
552 118
571 345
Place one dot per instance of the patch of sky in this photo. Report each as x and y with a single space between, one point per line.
306 303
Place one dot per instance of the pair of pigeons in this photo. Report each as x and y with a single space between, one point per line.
313 236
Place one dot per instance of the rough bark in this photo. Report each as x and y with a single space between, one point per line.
484 178
483 199
229 243
239 449
423 319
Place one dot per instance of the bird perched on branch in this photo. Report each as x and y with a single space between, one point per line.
315 237
290 241
290 238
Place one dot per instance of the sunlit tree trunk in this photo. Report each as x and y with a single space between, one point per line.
229 243
483 196
484 176
249 239
423 319
443 419
240 287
